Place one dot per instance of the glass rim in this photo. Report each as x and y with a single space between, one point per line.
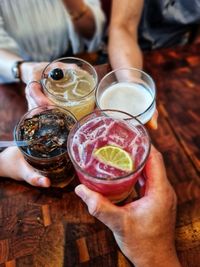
124 69
77 126
60 98
23 118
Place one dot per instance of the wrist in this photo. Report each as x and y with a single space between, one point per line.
82 17
16 70
159 260
167 263
78 14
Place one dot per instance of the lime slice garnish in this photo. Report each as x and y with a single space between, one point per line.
115 156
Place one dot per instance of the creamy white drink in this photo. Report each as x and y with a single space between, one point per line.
133 98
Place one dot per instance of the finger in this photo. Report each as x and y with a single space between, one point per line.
31 103
153 123
36 180
100 207
155 173
32 177
17 168
34 90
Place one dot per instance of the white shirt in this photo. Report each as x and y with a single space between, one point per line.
41 30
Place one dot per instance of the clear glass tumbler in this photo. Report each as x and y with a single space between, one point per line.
71 82
130 90
109 149
46 129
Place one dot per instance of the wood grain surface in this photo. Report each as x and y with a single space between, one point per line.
52 227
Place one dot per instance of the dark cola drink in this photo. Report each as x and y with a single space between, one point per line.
46 129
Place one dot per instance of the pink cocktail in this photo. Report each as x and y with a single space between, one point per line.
115 129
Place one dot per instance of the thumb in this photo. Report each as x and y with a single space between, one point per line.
33 177
13 165
100 207
155 172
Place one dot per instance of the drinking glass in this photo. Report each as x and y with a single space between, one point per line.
71 82
108 149
130 90
46 129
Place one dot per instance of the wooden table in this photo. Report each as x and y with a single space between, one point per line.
52 228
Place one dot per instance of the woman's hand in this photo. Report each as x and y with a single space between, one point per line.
143 229
31 74
13 165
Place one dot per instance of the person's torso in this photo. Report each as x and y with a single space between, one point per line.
167 22
40 27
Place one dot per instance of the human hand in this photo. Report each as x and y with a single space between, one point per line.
31 74
153 123
13 165
143 229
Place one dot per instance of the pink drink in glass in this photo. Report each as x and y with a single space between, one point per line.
99 129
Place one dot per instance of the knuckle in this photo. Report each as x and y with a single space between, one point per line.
27 89
171 198
94 207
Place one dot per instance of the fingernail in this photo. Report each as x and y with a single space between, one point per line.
44 182
155 125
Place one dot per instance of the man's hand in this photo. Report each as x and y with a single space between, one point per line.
143 229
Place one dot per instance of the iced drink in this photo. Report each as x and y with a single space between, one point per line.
46 129
109 152
129 90
70 83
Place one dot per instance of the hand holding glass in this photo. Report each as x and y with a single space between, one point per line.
71 82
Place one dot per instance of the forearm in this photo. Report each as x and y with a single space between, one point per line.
123 49
82 18
86 24
7 59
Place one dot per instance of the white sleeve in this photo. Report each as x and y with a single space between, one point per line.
99 16
6 41
77 41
